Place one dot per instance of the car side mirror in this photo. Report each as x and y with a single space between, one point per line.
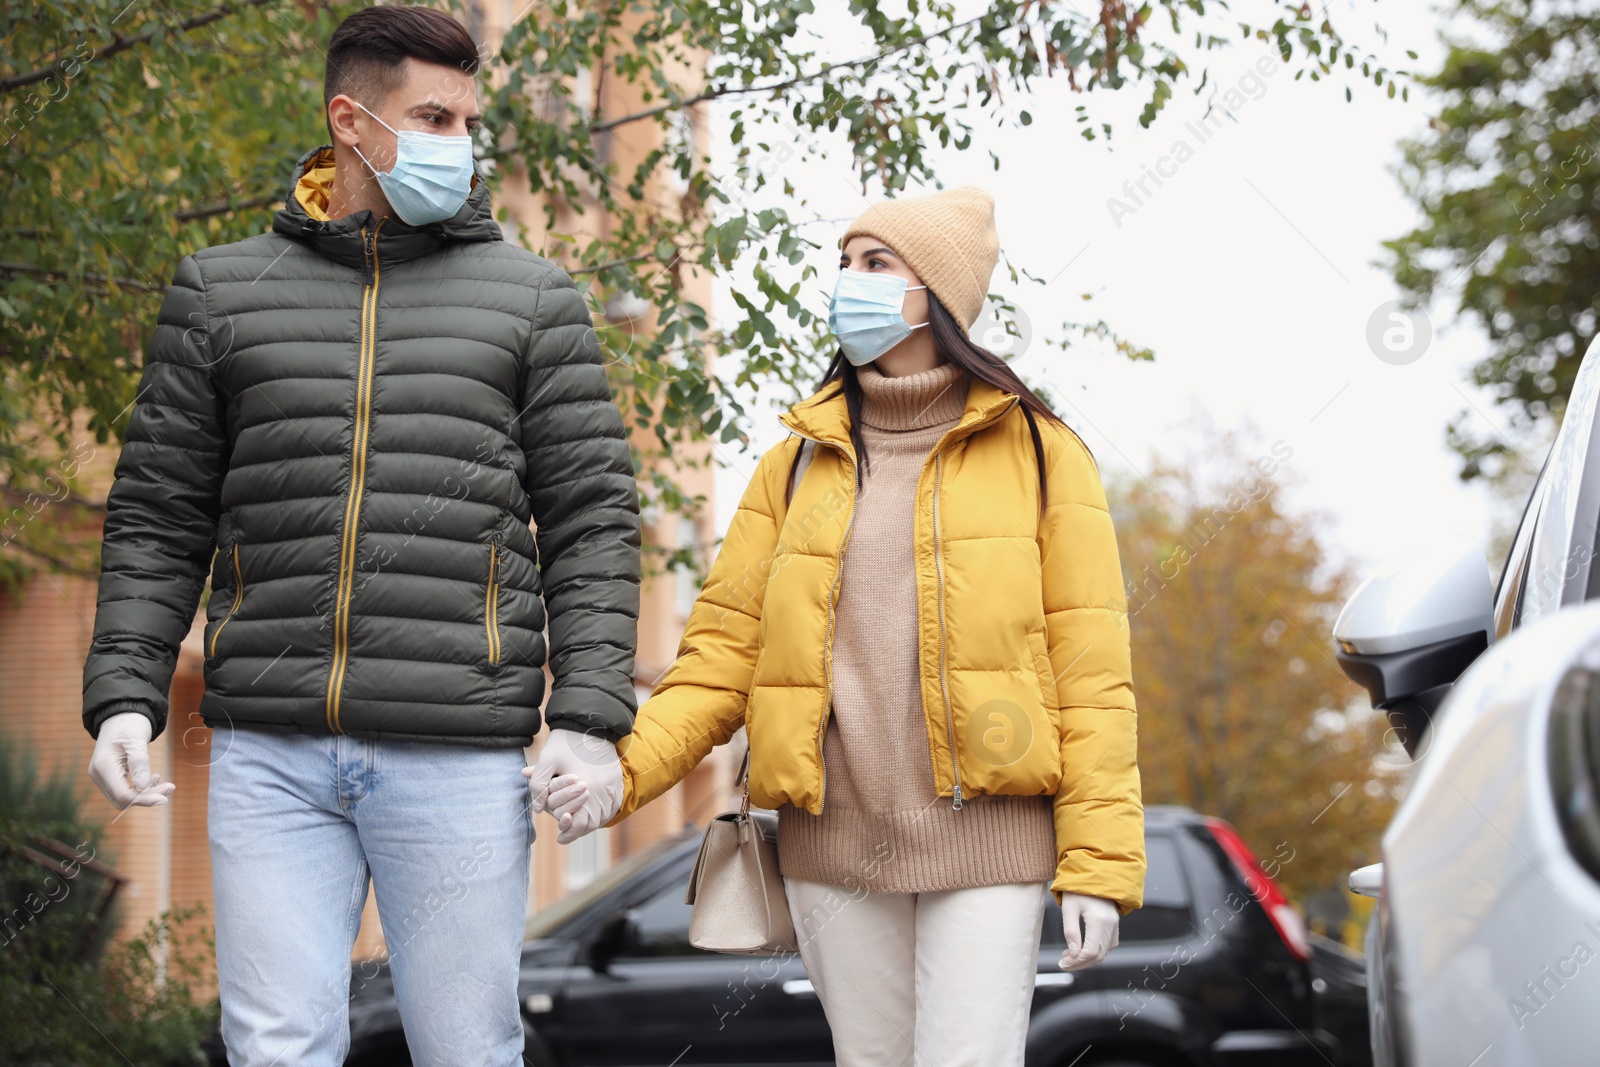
619 934
1408 632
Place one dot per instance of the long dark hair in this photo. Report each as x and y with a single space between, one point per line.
953 346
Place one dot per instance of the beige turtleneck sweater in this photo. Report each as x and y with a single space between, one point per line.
882 825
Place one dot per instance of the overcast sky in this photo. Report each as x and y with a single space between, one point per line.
1250 270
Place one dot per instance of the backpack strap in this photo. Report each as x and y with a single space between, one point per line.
802 460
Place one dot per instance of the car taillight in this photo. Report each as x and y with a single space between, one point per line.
1285 917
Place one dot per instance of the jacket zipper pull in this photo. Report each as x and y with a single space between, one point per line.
955 802
366 254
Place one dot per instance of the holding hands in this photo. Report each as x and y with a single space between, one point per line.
1087 944
578 779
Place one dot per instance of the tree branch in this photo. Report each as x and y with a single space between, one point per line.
789 83
12 494
122 44
59 564
189 214
597 268
211 210
8 267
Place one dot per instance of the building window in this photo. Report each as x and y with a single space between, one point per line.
583 91
680 139
587 857
688 585
475 22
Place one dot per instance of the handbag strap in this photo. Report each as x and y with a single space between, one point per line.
744 779
802 460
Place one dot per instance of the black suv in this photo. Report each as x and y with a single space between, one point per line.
1214 971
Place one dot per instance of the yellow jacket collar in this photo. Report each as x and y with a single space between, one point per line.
825 417
304 218
315 182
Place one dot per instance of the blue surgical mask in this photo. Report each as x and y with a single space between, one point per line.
431 176
866 314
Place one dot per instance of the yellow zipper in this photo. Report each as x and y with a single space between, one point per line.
944 683
238 595
491 604
358 473
827 643
944 641
844 544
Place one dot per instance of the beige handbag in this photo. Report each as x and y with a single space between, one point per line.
737 893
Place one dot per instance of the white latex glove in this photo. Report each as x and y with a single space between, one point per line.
1100 930
120 765
578 779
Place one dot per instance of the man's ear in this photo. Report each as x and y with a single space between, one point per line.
342 113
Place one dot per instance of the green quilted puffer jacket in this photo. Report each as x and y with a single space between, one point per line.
349 424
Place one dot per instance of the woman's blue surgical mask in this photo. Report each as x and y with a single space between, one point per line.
866 314
431 176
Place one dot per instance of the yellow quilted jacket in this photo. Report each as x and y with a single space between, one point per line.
1022 623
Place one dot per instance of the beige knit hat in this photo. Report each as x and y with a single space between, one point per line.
948 238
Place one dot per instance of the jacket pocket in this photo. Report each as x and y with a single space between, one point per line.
238 598
1043 669
491 605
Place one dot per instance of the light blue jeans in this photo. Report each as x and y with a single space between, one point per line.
298 823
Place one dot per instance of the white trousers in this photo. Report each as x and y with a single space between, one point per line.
942 979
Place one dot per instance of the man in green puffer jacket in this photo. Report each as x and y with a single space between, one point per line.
350 422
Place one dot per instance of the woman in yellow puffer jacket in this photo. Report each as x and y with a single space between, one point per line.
921 624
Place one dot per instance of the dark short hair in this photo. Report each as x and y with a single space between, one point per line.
368 51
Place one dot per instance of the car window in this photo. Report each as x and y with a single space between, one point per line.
1514 575
1563 543
1167 914
661 924
543 922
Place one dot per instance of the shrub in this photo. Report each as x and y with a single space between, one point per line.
69 994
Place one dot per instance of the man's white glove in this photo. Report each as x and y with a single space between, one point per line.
120 765
578 779
1100 922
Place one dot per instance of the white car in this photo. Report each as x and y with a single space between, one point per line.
1486 947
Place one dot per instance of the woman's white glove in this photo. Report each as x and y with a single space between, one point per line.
578 779
120 765
1100 922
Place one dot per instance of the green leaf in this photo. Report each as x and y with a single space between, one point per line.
195 118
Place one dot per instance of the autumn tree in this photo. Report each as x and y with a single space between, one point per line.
1243 712
135 133
1507 180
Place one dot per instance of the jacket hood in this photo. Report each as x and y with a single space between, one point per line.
304 217
824 416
